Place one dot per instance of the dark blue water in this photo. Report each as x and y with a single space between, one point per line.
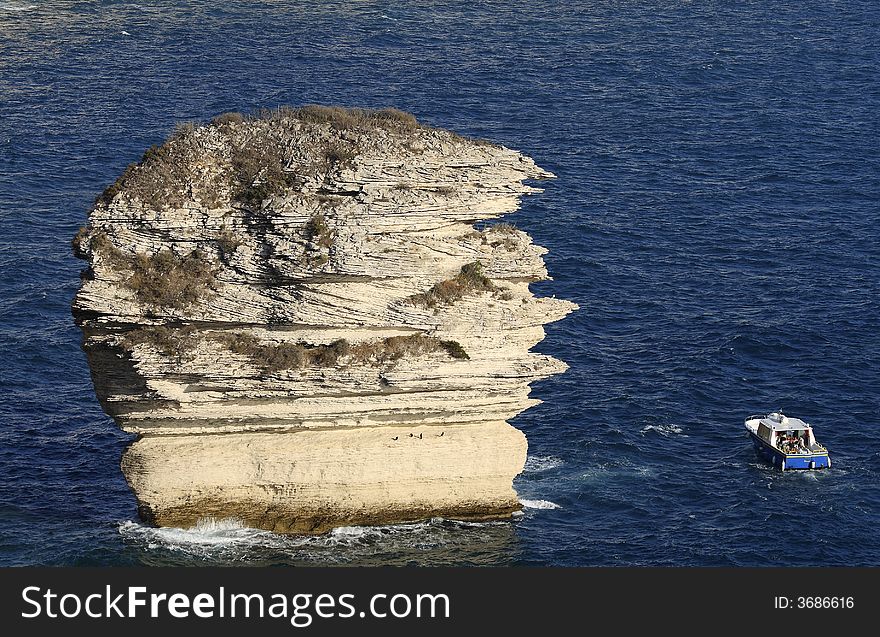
715 216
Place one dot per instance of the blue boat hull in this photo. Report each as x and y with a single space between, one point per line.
787 461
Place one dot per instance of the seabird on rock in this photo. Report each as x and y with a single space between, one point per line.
441 433
395 437
420 436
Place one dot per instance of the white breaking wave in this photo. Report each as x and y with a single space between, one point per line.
206 534
664 430
231 539
350 531
349 535
536 464
16 6
539 504
212 525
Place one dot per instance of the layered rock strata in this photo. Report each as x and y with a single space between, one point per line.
298 316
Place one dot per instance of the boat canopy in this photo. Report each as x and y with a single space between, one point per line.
778 422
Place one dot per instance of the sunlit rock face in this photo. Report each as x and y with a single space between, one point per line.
298 316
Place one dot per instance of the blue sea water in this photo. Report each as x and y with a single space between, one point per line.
715 216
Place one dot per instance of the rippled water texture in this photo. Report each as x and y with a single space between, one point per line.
715 216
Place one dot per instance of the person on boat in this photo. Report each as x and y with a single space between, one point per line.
785 442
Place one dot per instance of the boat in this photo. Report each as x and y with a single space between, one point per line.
788 443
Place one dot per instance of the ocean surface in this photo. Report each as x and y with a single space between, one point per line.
715 216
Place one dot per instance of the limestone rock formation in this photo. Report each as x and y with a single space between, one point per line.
297 315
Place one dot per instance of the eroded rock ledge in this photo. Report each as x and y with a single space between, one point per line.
299 317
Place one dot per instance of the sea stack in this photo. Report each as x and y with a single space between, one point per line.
312 318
